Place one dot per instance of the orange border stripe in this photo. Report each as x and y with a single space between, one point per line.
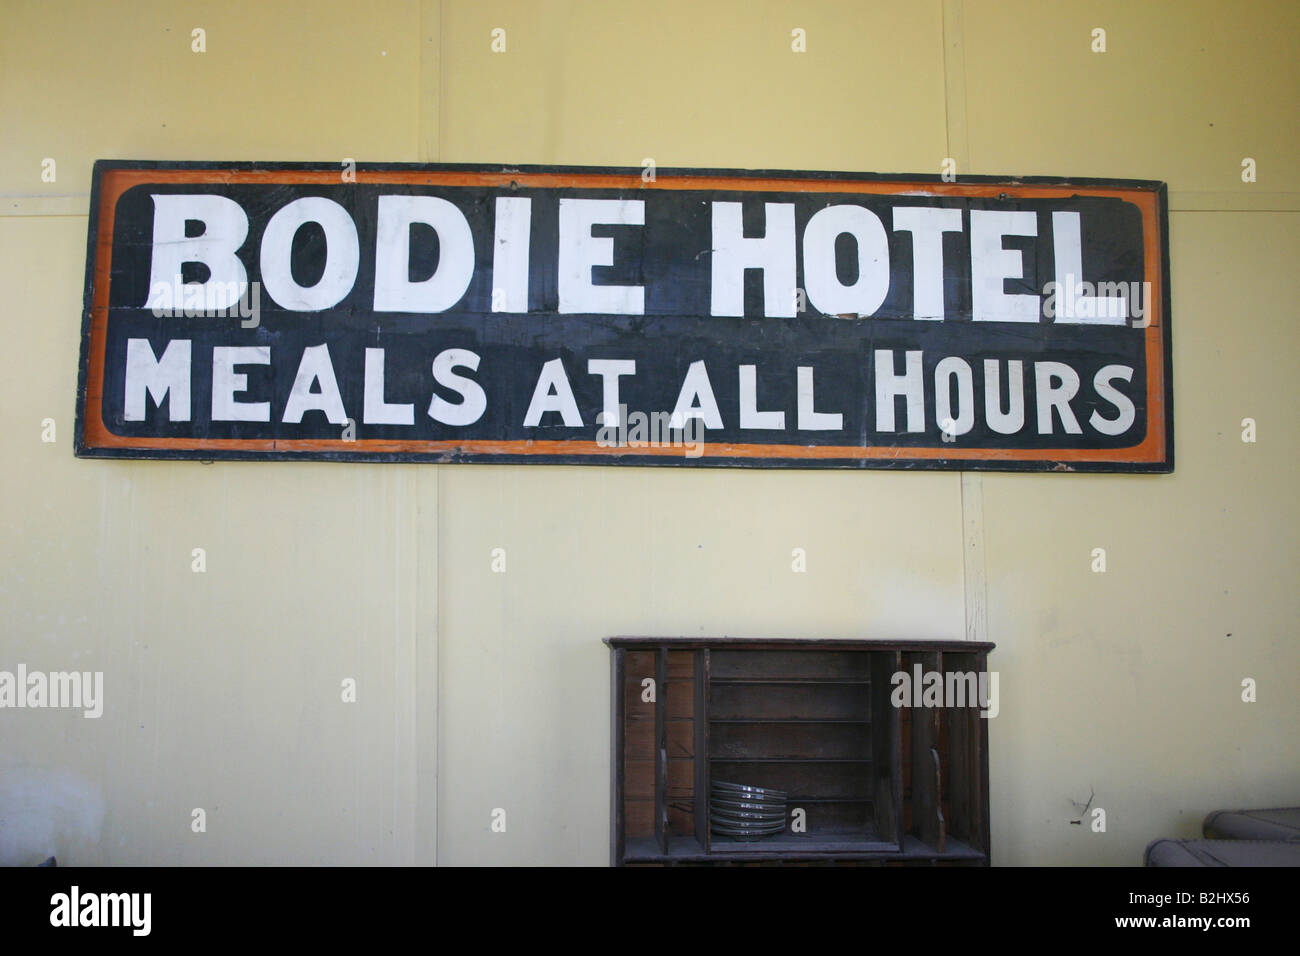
116 181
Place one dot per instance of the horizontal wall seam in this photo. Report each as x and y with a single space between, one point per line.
78 204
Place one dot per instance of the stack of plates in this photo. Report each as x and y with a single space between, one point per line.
743 812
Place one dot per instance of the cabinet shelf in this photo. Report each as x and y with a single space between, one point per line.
645 850
786 680
795 801
785 720
789 760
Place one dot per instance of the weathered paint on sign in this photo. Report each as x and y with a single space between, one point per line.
452 313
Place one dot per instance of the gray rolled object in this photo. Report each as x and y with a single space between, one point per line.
1165 852
1282 823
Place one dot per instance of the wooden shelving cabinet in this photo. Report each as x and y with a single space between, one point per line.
875 783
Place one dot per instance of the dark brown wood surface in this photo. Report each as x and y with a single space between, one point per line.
872 781
887 788
702 745
793 643
661 749
927 815
616 821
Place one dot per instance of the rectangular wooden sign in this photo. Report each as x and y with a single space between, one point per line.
613 316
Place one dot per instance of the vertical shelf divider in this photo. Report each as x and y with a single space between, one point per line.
618 730
960 750
980 766
927 800
661 749
896 662
702 781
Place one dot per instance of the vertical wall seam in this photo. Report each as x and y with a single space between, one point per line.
438 98
438 513
954 84
439 510
975 587
428 501
429 101
973 571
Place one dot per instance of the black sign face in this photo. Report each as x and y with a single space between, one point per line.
450 313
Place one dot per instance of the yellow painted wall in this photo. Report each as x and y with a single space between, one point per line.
478 690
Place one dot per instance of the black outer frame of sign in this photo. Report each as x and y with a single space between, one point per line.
839 464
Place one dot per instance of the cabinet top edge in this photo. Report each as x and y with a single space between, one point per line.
821 644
